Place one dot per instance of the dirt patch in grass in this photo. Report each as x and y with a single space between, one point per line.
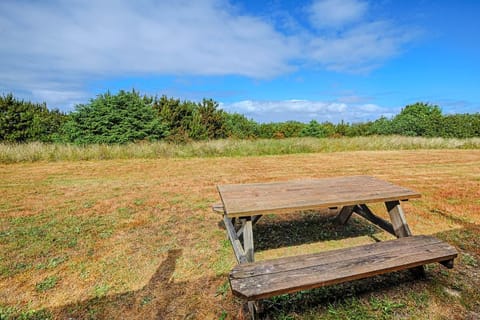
137 238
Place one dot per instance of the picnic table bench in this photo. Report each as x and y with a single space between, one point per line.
262 279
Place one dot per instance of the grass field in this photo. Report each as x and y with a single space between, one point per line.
36 151
136 238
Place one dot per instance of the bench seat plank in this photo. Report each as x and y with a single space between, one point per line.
269 278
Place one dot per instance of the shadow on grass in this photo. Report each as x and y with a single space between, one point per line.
466 238
150 302
273 232
465 276
341 296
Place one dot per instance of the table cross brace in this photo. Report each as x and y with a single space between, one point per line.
244 252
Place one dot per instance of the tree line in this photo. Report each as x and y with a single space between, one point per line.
129 116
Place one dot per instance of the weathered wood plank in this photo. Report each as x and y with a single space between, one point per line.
248 239
254 221
288 263
366 213
283 197
286 275
344 214
236 244
397 217
218 207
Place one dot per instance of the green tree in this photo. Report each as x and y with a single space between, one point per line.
238 126
119 118
178 117
22 121
359 129
341 129
419 119
212 120
267 130
290 129
461 126
381 126
314 129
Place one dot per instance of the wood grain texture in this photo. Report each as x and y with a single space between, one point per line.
269 278
344 214
248 240
236 245
290 196
397 217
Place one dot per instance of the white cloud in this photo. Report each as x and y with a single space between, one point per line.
72 40
348 40
304 110
176 37
369 107
52 49
288 105
61 97
336 13
360 48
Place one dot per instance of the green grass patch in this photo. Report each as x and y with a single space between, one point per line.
47 284
224 259
11 313
101 290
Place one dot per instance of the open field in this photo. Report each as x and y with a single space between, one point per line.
136 238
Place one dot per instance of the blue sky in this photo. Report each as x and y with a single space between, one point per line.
328 60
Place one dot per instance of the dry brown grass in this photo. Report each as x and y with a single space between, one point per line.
137 238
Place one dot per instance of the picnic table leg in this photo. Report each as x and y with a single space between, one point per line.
248 239
254 307
243 220
344 214
397 217
401 228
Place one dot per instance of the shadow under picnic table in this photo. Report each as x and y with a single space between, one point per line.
276 231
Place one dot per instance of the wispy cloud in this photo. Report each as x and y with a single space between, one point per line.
347 40
336 13
305 110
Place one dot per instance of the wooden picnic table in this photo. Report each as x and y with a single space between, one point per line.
244 204
352 194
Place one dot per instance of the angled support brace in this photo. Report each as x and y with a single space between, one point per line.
365 212
243 219
236 244
344 214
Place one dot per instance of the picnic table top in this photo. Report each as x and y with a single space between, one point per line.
297 195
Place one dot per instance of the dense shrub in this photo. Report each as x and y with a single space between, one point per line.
278 130
460 126
119 118
314 129
22 121
239 127
418 119
128 117
186 120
